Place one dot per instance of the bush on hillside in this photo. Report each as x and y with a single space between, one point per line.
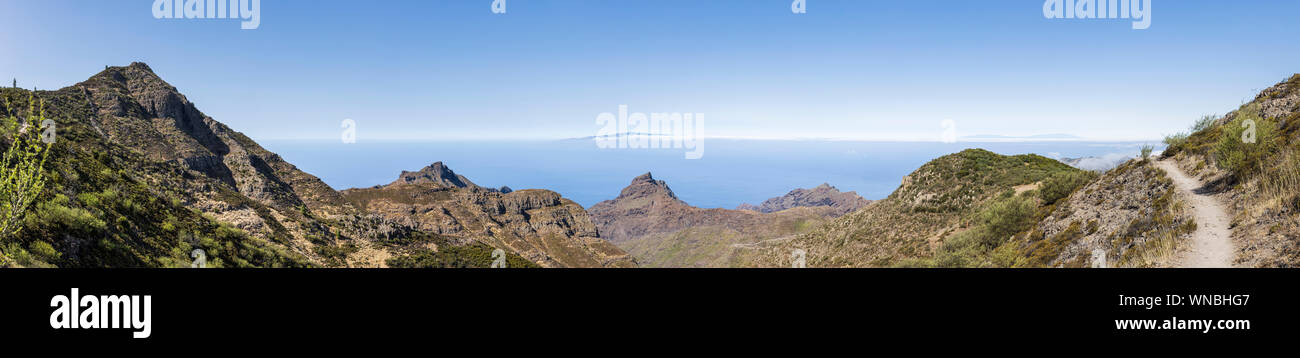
1245 144
1061 185
1006 217
1204 123
1175 140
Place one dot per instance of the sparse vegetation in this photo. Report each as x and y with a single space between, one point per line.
469 256
1282 180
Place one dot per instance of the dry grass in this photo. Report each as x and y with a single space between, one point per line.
1281 184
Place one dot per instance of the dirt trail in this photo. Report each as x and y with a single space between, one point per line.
1211 244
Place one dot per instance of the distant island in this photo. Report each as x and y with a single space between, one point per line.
1056 136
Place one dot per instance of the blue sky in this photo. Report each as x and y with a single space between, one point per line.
853 69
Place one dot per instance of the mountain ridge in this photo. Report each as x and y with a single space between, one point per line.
140 177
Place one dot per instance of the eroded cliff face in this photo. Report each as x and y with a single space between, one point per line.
538 225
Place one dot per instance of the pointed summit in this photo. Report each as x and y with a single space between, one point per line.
644 186
141 66
157 98
436 173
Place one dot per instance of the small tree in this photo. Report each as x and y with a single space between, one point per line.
23 176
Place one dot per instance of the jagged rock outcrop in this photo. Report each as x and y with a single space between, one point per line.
437 174
823 195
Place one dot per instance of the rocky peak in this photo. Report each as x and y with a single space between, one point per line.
134 107
822 195
436 173
644 186
136 91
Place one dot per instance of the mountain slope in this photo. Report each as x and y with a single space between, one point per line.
1132 215
112 205
1250 159
947 201
139 177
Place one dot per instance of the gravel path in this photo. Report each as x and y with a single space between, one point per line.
1211 244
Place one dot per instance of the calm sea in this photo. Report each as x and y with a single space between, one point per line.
731 172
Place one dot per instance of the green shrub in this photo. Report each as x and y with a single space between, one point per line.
1062 184
74 220
1176 140
22 173
1234 151
1006 217
963 249
44 251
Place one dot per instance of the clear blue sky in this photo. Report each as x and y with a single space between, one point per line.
545 69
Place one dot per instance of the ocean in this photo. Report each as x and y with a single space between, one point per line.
730 172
